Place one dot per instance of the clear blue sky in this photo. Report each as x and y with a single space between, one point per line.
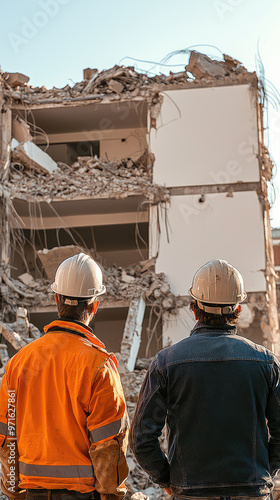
53 40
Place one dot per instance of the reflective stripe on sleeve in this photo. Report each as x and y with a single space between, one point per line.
62 471
106 431
3 429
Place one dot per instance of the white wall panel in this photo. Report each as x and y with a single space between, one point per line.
229 228
206 136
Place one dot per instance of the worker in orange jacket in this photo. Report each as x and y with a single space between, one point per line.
63 431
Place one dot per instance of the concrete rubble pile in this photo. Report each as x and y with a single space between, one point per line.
89 176
121 284
121 81
141 279
16 335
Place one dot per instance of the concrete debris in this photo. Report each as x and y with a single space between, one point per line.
51 259
4 358
89 73
143 363
105 179
154 287
14 293
12 336
132 382
34 332
126 278
233 64
32 157
121 82
116 86
21 332
26 279
21 130
267 163
16 79
201 66
22 323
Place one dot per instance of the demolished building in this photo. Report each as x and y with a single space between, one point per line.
152 176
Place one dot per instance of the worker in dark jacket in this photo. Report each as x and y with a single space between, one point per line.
219 395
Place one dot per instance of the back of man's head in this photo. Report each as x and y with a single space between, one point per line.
217 290
77 285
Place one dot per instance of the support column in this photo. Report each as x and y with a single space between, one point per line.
132 333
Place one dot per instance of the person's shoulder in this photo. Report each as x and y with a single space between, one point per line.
256 350
93 350
24 352
170 353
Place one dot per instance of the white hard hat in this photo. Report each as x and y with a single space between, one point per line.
80 277
219 283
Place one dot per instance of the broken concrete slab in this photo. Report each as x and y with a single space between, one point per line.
34 332
126 278
51 259
202 66
233 63
32 157
26 279
20 130
11 336
116 86
132 333
16 79
22 324
89 73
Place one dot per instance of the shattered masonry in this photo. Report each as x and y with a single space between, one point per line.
31 178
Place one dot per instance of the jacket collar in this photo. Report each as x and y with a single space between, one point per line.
66 325
201 328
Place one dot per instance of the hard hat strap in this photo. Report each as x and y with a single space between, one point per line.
76 301
219 310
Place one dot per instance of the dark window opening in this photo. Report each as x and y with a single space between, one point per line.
69 152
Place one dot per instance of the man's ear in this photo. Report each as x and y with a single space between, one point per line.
194 311
56 298
95 306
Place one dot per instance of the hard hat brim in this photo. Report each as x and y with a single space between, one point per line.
242 298
101 292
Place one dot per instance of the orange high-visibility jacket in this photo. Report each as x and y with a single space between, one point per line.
62 392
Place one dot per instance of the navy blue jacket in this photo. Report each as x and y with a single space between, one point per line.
219 395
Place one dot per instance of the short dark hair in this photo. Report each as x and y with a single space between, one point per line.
79 313
214 319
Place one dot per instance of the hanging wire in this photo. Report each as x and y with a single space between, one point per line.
165 61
